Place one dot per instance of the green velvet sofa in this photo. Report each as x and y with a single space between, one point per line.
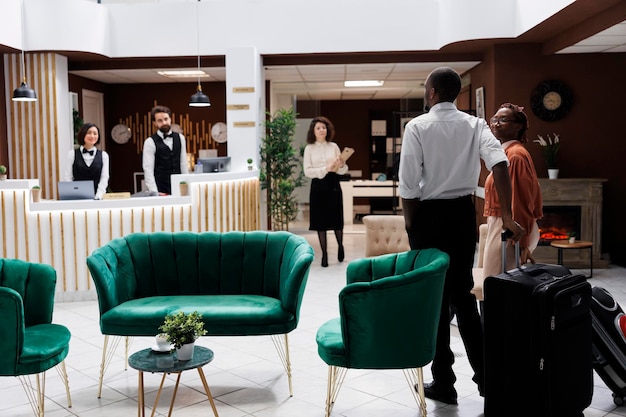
243 283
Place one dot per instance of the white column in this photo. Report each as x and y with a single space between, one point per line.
245 105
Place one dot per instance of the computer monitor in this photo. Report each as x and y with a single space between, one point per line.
219 164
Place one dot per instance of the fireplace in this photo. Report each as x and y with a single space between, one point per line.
572 204
558 223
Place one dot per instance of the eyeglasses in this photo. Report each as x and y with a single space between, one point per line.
500 120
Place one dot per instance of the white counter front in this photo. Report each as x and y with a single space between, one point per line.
64 233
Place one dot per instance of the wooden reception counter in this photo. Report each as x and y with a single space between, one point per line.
64 233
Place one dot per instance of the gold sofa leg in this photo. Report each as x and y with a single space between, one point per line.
63 374
107 355
415 376
35 394
283 353
336 376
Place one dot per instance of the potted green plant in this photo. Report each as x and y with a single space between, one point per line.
281 168
35 193
249 161
550 148
182 330
184 188
3 173
572 237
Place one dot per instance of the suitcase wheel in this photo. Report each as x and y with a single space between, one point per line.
619 401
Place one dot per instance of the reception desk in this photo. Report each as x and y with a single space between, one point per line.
364 188
64 233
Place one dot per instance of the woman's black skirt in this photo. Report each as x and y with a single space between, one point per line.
325 202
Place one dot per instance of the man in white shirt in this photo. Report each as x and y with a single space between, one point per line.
439 170
164 153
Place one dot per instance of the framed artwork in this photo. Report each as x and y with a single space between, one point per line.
480 102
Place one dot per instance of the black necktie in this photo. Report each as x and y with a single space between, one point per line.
89 152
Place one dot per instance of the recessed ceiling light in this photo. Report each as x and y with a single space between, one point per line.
184 73
363 83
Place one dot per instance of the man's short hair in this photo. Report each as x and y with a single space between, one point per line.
446 82
160 109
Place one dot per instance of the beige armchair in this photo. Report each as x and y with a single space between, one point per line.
385 234
477 272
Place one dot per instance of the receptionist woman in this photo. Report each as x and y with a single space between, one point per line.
87 162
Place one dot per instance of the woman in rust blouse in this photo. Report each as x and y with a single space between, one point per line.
509 125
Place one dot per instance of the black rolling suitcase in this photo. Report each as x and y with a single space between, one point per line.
537 329
609 342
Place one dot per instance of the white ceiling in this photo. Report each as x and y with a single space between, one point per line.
325 82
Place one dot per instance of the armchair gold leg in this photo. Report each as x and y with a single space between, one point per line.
63 374
107 355
36 395
283 353
415 377
336 376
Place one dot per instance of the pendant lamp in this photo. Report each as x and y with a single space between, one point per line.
23 92
199 99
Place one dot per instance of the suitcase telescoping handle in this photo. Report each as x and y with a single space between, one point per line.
504 236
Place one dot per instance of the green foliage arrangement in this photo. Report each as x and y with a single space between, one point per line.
3 170
78 123
36 187
182 328
281 171
550 148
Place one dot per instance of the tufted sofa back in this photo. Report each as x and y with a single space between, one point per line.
385 234
142 265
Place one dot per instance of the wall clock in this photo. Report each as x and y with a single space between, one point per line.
219 133
120 133
551 100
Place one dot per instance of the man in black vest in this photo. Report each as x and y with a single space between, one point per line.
164 153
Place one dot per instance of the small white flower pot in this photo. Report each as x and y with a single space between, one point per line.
185 352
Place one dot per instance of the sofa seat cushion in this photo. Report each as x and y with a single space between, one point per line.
45 346
226 315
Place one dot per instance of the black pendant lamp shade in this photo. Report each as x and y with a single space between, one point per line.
24 93
199 99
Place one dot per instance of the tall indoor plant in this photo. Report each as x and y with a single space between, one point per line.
281 171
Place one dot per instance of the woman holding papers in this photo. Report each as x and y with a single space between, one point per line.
323 163
88 163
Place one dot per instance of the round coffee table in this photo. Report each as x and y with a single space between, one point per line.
579 244
147 360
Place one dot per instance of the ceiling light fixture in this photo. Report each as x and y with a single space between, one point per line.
199 99
363 83
183 73
23 92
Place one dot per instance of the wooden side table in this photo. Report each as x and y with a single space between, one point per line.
579 244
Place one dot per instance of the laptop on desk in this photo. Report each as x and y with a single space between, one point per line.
76 190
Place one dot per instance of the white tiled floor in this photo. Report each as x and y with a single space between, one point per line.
246 377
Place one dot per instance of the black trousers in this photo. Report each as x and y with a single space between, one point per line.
450 226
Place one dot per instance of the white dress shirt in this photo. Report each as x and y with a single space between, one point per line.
441 151
319 154
104 174
149 151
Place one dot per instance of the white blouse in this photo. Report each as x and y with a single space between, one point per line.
317 156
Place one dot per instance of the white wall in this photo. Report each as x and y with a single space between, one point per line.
136 29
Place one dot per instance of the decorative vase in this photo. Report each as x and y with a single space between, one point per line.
185 352
553 173
36 194
184 189
3 177
572 240
249 167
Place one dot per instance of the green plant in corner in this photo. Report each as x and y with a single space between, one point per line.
36 187
281 171
3 169
182 328
78 123
183 182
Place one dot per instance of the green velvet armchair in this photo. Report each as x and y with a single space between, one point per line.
29 342
389 313
243 283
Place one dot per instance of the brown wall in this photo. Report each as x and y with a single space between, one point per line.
129 100
592 142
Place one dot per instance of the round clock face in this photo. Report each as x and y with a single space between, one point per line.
551 100
120 133
218 132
